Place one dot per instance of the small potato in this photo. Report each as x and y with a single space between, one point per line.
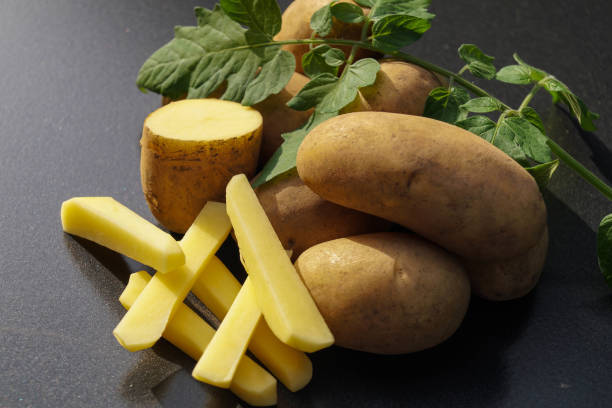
386 293
509 278
302 219
440 181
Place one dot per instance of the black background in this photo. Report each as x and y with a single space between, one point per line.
71 118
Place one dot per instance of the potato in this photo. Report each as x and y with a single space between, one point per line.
386 293
440 181
509 278
302 219
400 87
296 25
190 150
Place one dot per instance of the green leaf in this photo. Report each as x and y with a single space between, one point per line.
329 93
283 159
365 3
261 16
322 59
514 74
504 139
482 105
604 248
478 62
535 74
542 173
393 32
445 104
527 137
415 8
532 116
479 125
347 12
321 21
560 92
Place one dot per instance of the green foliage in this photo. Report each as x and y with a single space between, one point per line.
527 137
445 104
514 74
482 105
347 12
542 173
322 59
604 248
393 32
478 63
479 125
321 21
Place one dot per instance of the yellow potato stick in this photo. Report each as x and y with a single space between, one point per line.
217 288
109 223
281 295
220 359
146 320
192 334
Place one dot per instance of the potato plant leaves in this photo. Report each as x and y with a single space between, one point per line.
445 104
478 63
604 248
321 21
482 105
322 59
347 12
393 32
542 173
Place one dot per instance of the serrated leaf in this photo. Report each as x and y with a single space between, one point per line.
284 157
514 74
542 173
445 104
478 124
527 137
322 59
482 105
393 32
479 64
347 12
604 248
321 21
415 8
331 94
532 116
504 139
261 16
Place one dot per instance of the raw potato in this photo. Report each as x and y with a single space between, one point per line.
510 278
400 87
386 293
190 150
440 181
296 25
302 219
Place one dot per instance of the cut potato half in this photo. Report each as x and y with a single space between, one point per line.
190 150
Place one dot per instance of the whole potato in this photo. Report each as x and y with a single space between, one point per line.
509 278
440 181
302 219
386 293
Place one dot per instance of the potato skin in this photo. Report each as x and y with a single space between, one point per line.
302 219
386 293
296 25
509 278
440 181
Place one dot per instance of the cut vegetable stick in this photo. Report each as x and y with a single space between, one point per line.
192 334
217 288
109 223
220 359
145 322
281 295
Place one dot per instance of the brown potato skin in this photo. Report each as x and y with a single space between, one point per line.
296 25
440 181
400 87
302 219
386 293
509 278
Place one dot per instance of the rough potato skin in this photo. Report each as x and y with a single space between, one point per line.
440 181
302 219
386 293
179 177
509 278
296 25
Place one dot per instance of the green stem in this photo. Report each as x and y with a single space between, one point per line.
462 70
497 125
586 174
529 97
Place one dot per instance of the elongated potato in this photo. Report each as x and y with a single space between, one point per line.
386 293
302 219
440 181
190 150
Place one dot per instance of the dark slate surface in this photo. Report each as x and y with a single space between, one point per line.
71 119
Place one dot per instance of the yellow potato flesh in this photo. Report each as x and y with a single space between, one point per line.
280 293
217 288
146 320
220 359
109 223
191 334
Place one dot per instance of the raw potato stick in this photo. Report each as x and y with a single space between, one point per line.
217 288
190 333
281 295
220 359
109 223
145 322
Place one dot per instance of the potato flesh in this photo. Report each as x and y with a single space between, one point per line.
220 359
281 295
192 334
145 322
203 119
107 222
